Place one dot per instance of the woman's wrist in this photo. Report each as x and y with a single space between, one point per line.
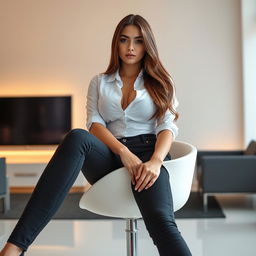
122 149
157 159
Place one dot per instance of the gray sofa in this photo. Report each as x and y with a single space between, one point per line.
4 186
225 172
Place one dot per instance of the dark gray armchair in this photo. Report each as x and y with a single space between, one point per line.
225 172
4 186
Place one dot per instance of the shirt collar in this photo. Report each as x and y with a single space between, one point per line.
138 83
116 76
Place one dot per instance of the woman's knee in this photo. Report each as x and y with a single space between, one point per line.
78 132
78 135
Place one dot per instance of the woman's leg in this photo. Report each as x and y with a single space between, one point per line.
78 149
156 207
156 204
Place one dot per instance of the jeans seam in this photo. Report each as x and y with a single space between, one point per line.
167 188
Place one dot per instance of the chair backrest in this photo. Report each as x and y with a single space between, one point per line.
181 169
112 195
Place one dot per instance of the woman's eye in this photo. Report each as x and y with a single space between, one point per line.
139 41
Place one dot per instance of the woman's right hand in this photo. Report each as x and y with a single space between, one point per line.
131 162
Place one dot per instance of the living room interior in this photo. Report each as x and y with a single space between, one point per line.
50 50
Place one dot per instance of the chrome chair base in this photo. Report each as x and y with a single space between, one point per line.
131 237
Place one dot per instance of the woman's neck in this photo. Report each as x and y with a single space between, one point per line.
129 71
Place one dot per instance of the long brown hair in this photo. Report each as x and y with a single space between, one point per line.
157 80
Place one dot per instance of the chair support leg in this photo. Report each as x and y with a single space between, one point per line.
7 197
131 237
205 202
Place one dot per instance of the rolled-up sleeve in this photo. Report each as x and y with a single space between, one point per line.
93 115
167 122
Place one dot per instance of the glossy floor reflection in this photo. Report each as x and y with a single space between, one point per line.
235 235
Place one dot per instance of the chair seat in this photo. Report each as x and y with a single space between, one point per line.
112 195
114 187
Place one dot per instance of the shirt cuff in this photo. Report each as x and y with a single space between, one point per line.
174 129
95 119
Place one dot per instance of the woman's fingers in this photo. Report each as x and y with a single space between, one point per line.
140 176
151 183
145 177
134 173
138 172
131 162
141 184
132 177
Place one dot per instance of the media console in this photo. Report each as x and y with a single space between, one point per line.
24 167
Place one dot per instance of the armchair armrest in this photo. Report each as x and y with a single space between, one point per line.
230 173
203 153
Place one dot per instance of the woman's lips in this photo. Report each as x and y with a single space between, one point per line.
130 55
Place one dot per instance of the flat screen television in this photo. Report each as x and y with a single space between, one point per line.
34 120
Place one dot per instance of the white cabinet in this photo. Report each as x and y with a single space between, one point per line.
24 167
21 175
27 174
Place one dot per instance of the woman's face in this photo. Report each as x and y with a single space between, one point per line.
131 48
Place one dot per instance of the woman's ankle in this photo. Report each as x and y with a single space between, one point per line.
10 250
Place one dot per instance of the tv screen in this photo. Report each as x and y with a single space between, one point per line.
34 120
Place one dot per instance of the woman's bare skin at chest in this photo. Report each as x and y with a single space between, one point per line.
128 92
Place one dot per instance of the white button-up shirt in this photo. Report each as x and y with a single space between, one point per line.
104 106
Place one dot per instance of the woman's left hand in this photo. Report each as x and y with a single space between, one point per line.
147 174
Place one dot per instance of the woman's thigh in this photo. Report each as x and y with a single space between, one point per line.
158 196
156 200
99 160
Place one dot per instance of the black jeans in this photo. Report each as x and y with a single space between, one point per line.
80 150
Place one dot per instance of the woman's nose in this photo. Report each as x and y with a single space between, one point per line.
131 47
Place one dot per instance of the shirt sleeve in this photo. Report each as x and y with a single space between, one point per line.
167 122
93 115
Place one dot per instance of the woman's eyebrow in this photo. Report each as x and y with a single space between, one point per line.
136 37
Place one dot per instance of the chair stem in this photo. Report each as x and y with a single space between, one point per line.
131 237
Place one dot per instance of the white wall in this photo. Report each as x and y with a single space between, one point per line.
248 11
56 46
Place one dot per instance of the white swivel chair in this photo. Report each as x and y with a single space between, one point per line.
112 195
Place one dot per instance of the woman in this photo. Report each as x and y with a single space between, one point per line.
130 118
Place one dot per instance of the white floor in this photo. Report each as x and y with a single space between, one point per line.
235 235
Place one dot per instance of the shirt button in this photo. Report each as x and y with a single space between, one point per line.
146 141
124 140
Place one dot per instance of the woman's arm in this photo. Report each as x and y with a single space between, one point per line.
129 160
103 134
163 145
149 171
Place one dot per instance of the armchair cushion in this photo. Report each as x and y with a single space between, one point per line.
2 176
226 171
232 174
251 149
